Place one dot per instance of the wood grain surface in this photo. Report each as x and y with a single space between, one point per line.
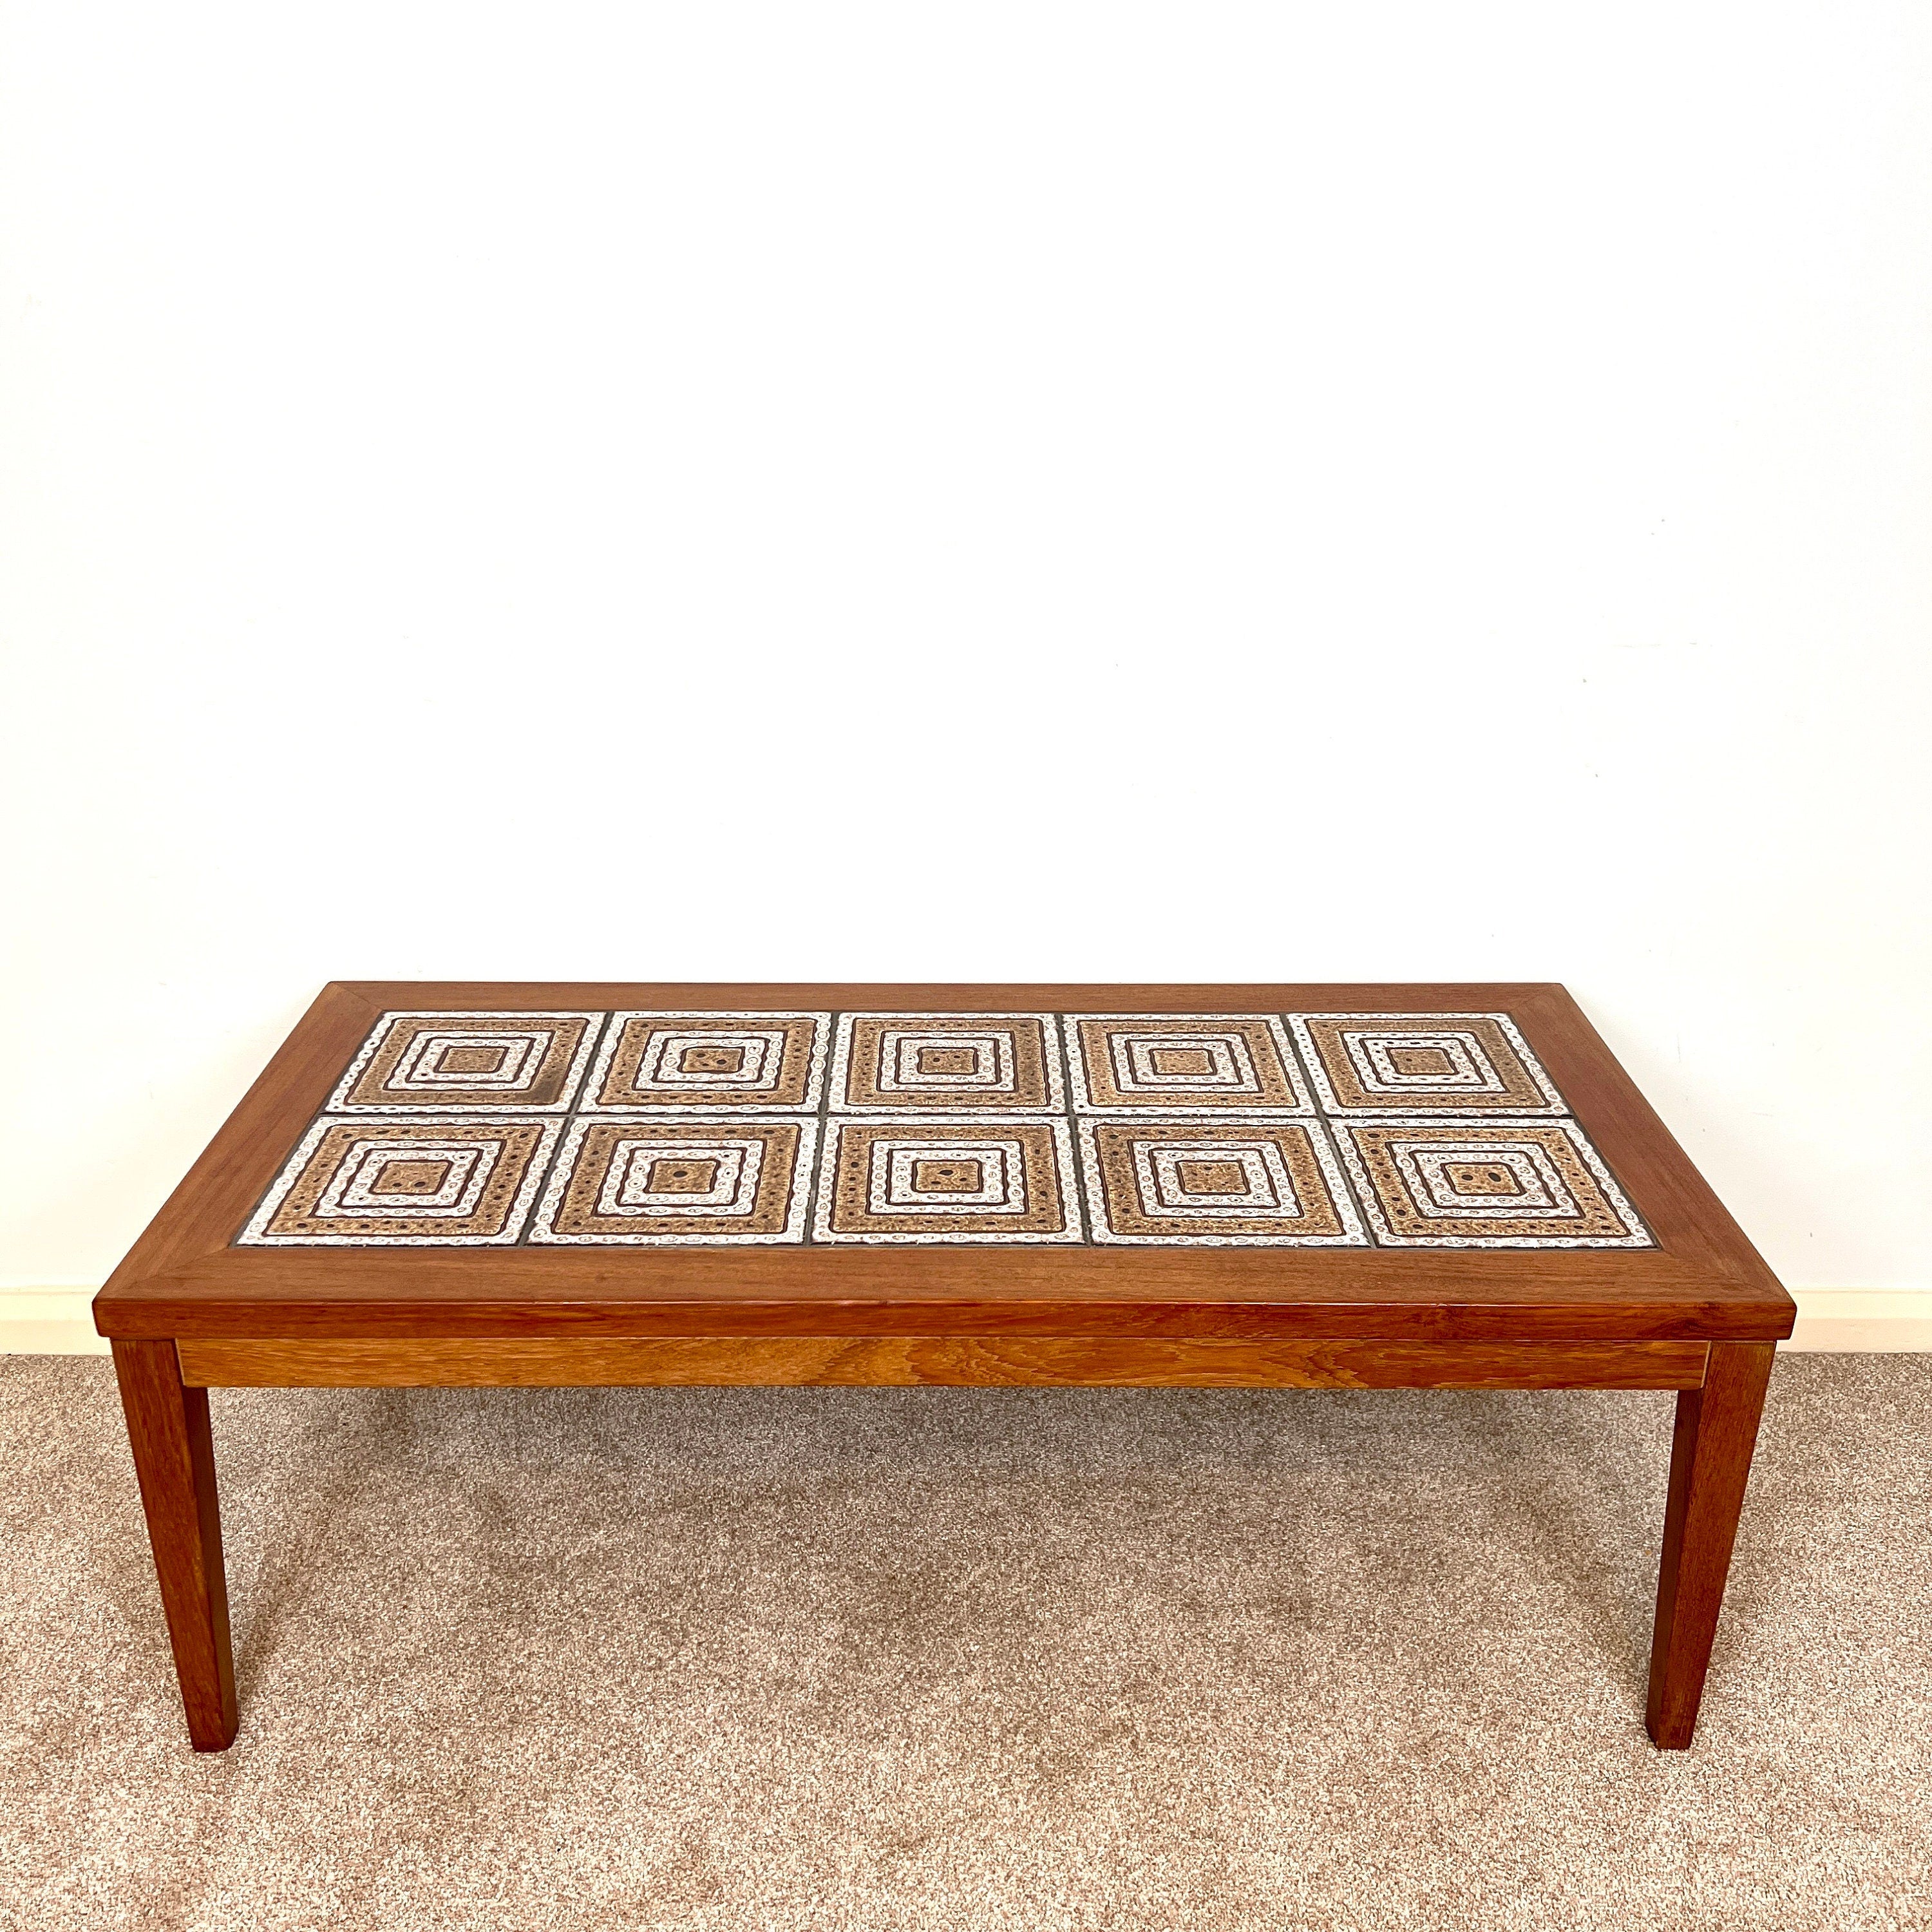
954 1360
174 1463
1710 1462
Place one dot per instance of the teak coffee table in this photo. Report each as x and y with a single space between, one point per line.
1191 1186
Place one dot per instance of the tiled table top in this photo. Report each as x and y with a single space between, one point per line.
625 1128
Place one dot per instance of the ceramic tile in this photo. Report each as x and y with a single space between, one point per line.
412 1061
456 1181
1486 1184
1171 1063
699 1128
655 1182
705 1063
1423 1063
1195 1183
947 1062
942 1180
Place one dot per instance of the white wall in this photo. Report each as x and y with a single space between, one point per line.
1034 490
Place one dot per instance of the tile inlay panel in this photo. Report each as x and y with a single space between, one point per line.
494 1060
1424 1063
1195 1182
946 1063
625 1182
1183 1063
459 1182
1486 1184
943 1179
701 1128
699 1063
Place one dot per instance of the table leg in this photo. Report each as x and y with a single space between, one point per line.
1710 1460
174 1457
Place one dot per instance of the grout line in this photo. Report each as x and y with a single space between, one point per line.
1076 1188
1319 1120
589 1057
822 1152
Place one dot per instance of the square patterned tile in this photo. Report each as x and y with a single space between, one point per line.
1204 1183
946 1063
703 1063
705 1128
493 1061
1171 1064
458 1181
696 1183
944 1180
1486 1184
1424 1063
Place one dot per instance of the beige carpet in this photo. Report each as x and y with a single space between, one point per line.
884 1659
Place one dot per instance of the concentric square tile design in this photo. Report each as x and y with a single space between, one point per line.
698 1129
1207 1183
646 1183
944 1180
1169 1064
946 1063
1423 1063
703 1063
529 1061
1487 1184
459 1182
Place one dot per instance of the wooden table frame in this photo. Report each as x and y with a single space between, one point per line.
1700 1313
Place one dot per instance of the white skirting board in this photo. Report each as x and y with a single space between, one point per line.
56 1321
1897 1320
49 1322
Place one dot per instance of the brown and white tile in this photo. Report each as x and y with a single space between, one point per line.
1424 1063
706 1063
449 1061
455 1182
1189 1182
946 1063
938 1180
688 1182
1487 1184
1170 1063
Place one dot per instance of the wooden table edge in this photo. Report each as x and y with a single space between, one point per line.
937 1361
150 1311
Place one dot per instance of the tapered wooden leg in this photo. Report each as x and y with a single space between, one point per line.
1710 1460
174 1457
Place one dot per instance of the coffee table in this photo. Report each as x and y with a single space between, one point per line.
1295 1186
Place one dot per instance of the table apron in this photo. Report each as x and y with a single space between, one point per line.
1075 1361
